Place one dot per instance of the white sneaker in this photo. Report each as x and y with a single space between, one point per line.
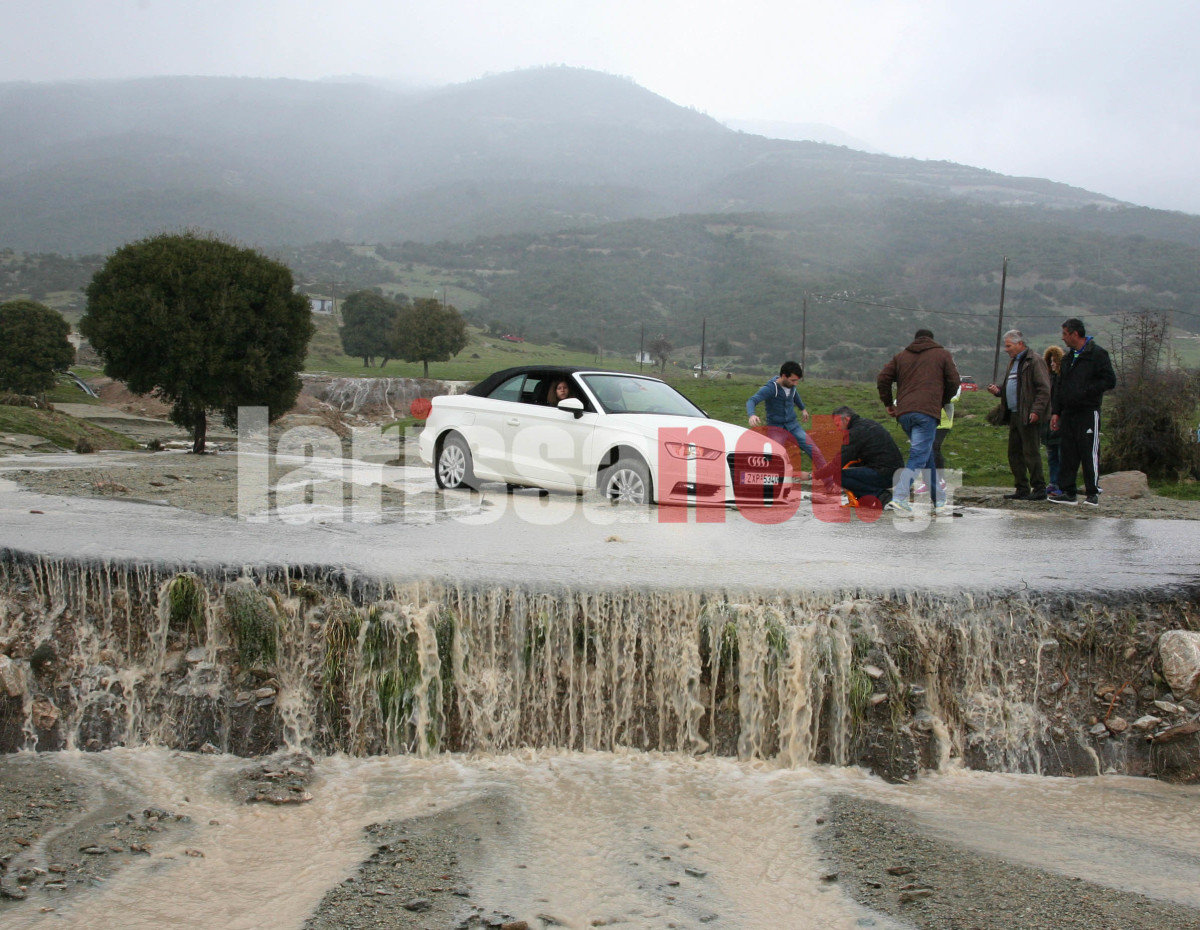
901 507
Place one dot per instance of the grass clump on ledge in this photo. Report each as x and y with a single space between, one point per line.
185 603
254 621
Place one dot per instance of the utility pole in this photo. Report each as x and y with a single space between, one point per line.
642 347
703 333
804 333
1000 322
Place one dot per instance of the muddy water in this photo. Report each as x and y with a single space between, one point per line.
651 840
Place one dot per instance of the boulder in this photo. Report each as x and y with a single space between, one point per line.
1125 484
1180 654
45 714
12 677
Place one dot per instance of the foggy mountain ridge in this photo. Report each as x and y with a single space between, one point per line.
86 166
801 132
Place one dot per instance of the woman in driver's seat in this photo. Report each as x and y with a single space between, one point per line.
559 390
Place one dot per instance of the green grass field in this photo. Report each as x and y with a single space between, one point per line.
483 355
59 428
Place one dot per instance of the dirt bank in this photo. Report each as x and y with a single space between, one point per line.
882 859
200 483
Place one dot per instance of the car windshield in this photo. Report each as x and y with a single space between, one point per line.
630 394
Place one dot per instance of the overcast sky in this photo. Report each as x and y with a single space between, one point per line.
1102 94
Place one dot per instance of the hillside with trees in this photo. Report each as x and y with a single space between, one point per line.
869 277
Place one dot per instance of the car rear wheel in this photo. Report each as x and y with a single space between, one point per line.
627 482
453 468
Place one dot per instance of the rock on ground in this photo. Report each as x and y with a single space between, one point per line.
1180 653
1126 484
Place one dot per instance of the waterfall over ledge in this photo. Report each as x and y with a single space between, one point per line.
100 654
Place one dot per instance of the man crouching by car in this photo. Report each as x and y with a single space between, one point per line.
869 460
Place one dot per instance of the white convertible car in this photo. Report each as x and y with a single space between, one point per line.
635 438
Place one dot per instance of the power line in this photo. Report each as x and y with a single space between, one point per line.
887 306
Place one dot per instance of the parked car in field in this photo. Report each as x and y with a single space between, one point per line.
967 383
633 437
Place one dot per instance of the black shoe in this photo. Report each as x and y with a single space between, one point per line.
1062 498
1093 499
1035 496
1015 496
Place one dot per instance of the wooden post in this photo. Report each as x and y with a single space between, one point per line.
804 333
1000 323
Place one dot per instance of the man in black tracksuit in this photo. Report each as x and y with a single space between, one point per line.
870 454
1087 373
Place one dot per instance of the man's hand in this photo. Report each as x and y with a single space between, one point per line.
1054 422
1033 418
754 420
891 411
804 415
994 390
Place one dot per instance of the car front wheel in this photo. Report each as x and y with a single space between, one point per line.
453 469
627 482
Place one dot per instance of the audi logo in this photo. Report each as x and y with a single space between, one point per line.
758 461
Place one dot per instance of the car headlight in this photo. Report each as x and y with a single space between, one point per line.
689 450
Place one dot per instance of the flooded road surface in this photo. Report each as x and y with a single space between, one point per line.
595 839
524 538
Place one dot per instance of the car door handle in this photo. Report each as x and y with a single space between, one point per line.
513 421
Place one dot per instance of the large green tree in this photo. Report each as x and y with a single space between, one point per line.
204 324
368 326
428 331
33 346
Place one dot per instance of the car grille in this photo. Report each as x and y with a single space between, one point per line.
756 476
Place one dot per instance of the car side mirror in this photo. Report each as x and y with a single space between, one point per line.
574 404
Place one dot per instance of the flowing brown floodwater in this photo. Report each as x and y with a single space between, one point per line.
598 836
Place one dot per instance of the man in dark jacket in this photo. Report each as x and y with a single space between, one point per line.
869 460
1086 374
925 380
1025 399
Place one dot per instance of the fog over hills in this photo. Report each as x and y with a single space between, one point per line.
801 132
576 205
87 166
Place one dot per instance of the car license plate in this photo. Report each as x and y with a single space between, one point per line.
760 478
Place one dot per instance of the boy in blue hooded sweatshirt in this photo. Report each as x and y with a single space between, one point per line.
782 400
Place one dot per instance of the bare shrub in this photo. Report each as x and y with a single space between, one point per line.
1153 409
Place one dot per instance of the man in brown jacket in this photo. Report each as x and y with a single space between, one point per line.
1025 399
925 380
